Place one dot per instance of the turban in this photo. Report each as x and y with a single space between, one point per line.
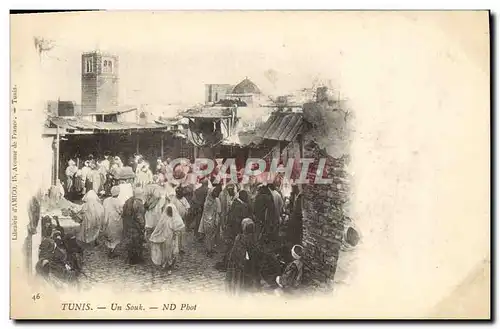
115 190
297 251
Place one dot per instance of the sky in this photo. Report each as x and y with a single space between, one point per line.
164 60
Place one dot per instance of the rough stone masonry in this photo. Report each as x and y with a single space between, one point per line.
324 206
324 219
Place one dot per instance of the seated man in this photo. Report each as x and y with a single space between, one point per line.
52 262
291 278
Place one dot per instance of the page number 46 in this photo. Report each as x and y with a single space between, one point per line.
36 296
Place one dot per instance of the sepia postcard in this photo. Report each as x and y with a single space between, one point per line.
250 165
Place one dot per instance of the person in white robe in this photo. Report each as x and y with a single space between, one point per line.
153 205
90 217
182 205
70 175
164 239
113 220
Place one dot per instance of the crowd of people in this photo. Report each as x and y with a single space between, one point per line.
257 226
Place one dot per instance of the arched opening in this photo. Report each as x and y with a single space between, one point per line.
352 237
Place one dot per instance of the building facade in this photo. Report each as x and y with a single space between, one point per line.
217 92
100 82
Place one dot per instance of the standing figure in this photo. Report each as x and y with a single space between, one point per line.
78 184
103 169
95 178
210 218
199 197
182 206
113 229
226 199
125 178
91 218
242 269
86 170
295 226
144 176
239 210
252 188
277 201
164 239
70 176
137 162
159 166
133 226
153 206
265 216
105 163
118 161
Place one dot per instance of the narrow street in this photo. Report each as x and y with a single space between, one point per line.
194 271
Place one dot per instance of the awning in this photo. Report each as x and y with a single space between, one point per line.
282 127
85 125
210 112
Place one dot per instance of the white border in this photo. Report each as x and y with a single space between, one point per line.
180 5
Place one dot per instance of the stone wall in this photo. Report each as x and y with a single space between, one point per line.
323 217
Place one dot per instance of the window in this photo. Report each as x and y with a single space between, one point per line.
89 65
107 118
107 66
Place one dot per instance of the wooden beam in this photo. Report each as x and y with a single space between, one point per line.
137 143
161 152
58 137
301 146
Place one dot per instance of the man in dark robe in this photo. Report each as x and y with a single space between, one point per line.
266 219
294 225
291 279
199 197
226 198
133 226
243 266
239 210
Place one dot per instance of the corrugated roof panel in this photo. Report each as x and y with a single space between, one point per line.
273 126
281 129
80 124
61 123
282 126
294 129
289 127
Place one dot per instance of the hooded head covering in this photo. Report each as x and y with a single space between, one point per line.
139 193
115 191
247 226
243 196
165 227
90 196
71 162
